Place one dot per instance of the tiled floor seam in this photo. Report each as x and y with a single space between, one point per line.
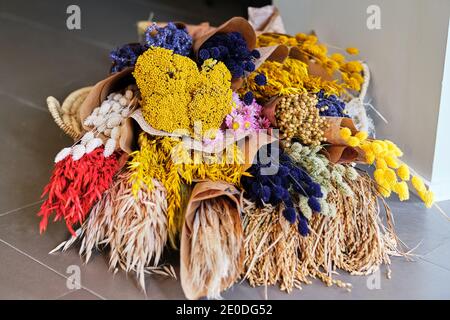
20 208
48 267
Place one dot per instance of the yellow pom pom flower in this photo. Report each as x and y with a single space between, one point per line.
377 148
379 176
403 172
385 189
361 135
392 162
352 51
401 188
345 133
418 184
427 197
381 164
390 176
370 157
353 142
339 58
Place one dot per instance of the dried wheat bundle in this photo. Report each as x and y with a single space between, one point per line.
134 228
271 247
215 246
355 240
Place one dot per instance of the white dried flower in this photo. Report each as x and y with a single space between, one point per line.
89 121
117 96
98 121
64 153
114 121
88 136
96 111
78 152
101 128
115 133
93 144
116 107
110 146
106 106
123 101
129 94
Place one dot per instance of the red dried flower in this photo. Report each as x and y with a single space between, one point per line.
75 186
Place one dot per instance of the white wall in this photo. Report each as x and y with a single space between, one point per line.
406 57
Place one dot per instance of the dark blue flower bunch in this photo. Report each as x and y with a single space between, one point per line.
125 56
290 180
330 106
230 48
170 37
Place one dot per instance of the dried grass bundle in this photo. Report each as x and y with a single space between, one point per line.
134 228
216 244
355 240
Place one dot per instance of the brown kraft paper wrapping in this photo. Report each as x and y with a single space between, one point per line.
203 191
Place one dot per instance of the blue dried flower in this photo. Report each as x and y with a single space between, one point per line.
125 56
232 49
261 79
303 226
330 106
282 187
290 214
204 54
314 204
171 37
248 98
256 54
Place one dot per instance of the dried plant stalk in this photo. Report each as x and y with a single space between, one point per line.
216 246
355 240
134 229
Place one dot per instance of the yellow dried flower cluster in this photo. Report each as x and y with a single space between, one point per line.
289 77
167 160
177 96
350 72
391 175
298 117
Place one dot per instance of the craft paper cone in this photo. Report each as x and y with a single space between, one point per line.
203 191
98 94
332 133
273 53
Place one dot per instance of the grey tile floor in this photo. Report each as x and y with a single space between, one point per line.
40 57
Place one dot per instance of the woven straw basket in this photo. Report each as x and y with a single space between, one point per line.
66 115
